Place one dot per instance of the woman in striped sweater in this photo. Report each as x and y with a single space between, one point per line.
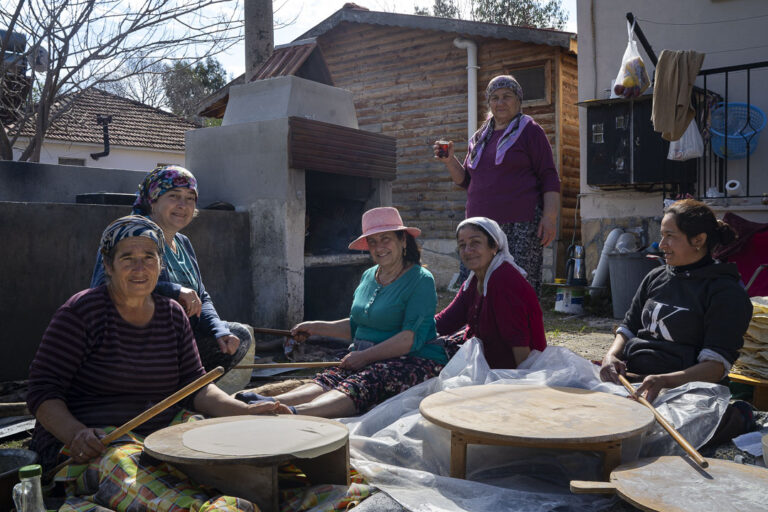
113 351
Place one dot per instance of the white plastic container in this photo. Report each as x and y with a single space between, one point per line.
569 299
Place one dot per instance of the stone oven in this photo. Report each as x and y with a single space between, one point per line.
290 153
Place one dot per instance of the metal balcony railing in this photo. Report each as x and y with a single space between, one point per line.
714 171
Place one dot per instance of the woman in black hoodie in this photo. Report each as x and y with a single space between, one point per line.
687 320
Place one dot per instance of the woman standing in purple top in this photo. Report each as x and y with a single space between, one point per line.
510 176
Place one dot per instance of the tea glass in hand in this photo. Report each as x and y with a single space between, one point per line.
443 147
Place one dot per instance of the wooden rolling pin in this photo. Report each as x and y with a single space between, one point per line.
150 413
260 366
684 444
276 332
13 409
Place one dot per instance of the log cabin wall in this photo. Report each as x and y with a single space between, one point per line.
568 145
411 84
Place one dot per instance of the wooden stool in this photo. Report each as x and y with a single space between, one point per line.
677 484
240 455
759 389
536 416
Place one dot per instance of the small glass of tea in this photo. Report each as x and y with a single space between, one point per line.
442 148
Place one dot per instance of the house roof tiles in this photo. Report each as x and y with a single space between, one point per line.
134 124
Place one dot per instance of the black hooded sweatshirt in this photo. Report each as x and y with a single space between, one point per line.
678 311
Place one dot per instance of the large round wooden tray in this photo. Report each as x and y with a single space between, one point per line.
239 455
677 484
540 416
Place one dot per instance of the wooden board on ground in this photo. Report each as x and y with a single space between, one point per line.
677 484
239 455
539 416
759 389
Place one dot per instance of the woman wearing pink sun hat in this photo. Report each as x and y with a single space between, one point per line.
390 324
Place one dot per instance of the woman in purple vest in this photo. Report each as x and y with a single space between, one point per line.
510 176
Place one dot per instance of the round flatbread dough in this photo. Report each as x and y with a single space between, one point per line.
264 436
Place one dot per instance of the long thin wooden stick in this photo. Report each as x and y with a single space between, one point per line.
276 332
259 366
684 444
151 412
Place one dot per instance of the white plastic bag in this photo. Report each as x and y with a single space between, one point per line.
690 145
632 78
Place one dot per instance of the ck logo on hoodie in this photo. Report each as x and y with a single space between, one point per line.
658 316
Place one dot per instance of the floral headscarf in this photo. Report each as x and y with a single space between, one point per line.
492 228
511 134
127 227
158 182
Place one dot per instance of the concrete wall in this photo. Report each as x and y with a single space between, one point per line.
47 183
602 30
247 166
50 249
140 159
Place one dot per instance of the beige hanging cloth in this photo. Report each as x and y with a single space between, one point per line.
675 74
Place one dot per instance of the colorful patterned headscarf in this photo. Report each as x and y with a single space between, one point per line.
508 139
158 182
127 227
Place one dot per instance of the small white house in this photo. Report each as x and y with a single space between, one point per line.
140 137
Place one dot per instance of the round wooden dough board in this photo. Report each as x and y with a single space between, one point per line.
247 438
531 414
677 484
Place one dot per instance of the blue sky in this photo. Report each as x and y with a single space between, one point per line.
308 13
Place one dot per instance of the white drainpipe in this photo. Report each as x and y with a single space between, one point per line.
472 68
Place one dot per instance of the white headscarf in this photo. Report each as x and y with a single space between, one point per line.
493 229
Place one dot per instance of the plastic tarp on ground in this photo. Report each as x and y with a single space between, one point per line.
406 456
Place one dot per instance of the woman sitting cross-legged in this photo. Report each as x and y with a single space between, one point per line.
687 320
496 303
110 353
390 322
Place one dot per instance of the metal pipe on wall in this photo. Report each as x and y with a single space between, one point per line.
472 67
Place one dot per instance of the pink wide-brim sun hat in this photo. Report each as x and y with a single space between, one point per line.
379 220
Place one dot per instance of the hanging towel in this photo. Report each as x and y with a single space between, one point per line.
675 73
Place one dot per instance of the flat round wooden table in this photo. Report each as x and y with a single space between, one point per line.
538 416
677 484
240 455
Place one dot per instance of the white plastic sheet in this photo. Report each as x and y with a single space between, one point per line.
406 456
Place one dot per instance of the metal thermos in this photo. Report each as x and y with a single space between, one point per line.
576 272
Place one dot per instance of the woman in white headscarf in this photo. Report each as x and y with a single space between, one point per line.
496 303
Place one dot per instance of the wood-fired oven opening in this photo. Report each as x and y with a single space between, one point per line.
334 208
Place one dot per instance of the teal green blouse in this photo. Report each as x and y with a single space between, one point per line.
179 265
407 304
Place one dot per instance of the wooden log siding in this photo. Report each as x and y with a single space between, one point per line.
411 84
569 148
337 149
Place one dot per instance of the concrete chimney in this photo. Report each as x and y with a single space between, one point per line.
259 35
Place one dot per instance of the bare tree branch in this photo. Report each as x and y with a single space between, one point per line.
97 43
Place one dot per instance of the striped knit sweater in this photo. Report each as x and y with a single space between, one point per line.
106 370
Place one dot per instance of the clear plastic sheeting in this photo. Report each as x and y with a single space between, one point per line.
405 455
